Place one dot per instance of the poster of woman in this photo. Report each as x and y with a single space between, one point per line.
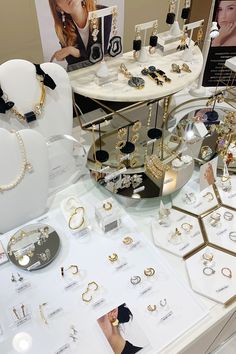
225 16
68 35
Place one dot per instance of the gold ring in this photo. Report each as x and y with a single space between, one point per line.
85 298
208 257
228 216
75 212
113 258
151 308
186 227
76 269
127 240
107 206
149 272
208 195
226 272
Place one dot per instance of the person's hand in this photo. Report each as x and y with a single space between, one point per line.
225 32
61 54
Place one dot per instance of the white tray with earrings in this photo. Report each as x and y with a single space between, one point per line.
195 202
177 232
226 186
212 274
220 227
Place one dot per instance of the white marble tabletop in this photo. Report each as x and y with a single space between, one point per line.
83 80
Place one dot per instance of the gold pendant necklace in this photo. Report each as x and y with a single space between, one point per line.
25 166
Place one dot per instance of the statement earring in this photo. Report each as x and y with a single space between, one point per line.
199 35
153 39
96 53
186 10
170 18
183 41
137 43
63 18
115 45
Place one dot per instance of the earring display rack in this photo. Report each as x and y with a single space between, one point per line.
143 57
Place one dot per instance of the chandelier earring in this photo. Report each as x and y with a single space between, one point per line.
137 43
95 30
63 18
115 45
183 41
153 39
96 52
170 18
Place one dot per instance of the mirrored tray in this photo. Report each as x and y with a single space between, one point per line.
33 247
196 143
136 177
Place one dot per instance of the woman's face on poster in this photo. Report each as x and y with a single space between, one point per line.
68 6
226 12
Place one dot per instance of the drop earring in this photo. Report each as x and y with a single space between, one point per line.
63 18
170 18
153 38
183 41
137 43
96 53
199 35
115 46
83 3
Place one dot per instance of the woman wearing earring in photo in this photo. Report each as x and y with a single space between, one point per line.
110 325
75 32
226 19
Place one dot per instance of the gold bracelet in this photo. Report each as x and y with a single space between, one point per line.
75 212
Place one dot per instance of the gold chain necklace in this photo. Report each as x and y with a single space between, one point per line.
25 166
31 116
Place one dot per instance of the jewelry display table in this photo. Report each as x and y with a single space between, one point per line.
83 80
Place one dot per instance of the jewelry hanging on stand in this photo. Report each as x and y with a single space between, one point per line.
25 166
137 44
96 53
99 155
186 10
183 41
170 18
200 35
115 45
153 38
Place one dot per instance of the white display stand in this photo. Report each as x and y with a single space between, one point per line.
219 234
28 199
182 244
143 55
216 286
201 201
18 80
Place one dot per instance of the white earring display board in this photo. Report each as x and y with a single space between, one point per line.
223 234
183 243
28 198
18 80
192 200
215 286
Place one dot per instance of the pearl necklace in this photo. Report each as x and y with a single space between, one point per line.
25 167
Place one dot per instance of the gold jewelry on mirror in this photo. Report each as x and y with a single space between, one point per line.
135 138
120 144
73 215
121 134
113 258
151 308
136 126
149 272
127 240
